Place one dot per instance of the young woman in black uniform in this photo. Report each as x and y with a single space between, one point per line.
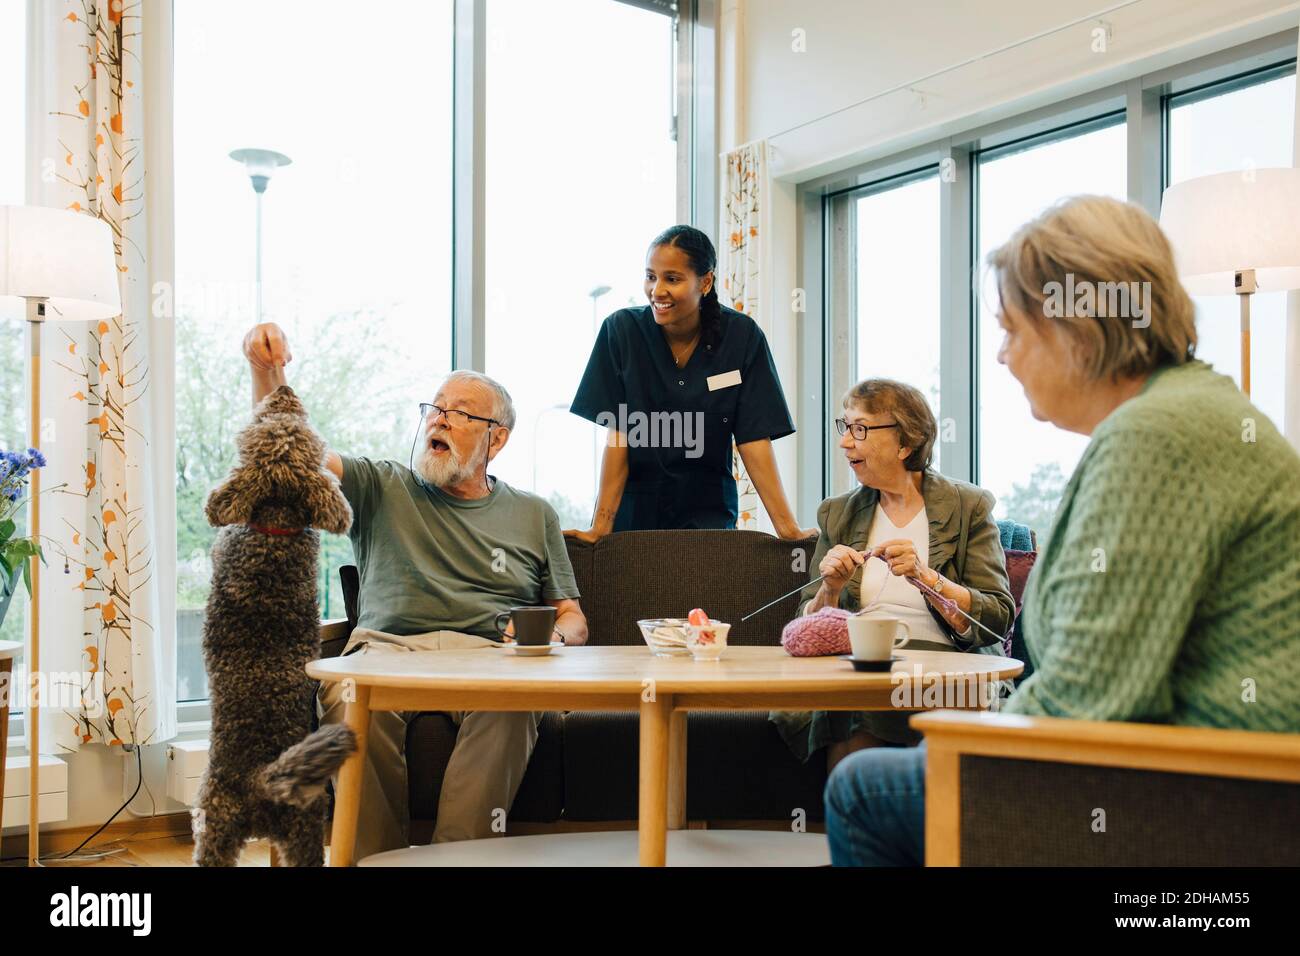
676 382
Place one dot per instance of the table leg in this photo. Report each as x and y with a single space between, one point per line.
347 798
677 771
652 809
6 691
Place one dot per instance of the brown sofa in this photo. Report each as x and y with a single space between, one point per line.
584 768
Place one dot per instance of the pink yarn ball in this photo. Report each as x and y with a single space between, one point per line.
820 634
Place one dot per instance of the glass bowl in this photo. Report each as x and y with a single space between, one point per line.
666 636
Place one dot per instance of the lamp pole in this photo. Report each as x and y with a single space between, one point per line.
260 164
35 321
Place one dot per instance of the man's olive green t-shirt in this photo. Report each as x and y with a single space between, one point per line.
429 561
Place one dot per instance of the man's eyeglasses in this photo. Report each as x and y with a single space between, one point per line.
859 430
455 417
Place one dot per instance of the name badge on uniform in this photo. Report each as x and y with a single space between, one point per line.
725 380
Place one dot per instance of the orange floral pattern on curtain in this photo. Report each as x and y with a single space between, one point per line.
100 629
739 274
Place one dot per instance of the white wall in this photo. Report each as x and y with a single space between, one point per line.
856 50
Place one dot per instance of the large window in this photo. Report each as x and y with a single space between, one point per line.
1024 462
1228 111
13 328
897 294
356 238
581 175
1217 130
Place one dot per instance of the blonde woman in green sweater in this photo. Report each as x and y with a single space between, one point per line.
1172 577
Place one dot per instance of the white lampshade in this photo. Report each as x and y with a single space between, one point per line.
1222 224
63 257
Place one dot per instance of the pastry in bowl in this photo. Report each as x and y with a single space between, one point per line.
666 636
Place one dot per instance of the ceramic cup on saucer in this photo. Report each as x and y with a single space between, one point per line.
534 630
533 625
876 638
707 643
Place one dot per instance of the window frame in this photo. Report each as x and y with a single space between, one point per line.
840 206
1143 102
697 174
697 191
1107 119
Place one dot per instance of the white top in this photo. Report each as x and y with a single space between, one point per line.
10 649
897 598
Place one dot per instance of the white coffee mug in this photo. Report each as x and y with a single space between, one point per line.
876 638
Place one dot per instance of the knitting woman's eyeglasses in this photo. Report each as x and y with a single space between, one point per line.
455 417
859 430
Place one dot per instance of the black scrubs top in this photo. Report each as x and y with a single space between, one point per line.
680 430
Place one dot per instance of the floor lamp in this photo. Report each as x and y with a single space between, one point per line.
1236 233
62 265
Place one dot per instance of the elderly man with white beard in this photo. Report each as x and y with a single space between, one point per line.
441 550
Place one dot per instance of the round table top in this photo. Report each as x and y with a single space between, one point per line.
10 649
623 669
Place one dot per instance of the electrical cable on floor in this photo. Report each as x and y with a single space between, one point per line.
101 854
107 850
139 765
153 809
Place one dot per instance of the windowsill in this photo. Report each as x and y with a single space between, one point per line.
193 719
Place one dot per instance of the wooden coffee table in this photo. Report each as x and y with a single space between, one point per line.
662 689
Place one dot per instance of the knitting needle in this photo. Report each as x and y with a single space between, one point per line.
816 580
947 603
950 605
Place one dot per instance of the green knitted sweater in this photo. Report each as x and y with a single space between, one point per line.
1170 588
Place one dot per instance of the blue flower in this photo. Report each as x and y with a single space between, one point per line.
35 458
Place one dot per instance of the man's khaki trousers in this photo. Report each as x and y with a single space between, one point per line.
486 767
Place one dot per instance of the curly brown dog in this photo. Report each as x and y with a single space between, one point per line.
266 777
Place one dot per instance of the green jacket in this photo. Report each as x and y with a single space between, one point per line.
964 547
1169 591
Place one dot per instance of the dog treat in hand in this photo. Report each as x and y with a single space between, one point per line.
820 634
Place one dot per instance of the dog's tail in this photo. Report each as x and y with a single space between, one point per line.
298 776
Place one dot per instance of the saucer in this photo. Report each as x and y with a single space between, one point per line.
533 650
881 665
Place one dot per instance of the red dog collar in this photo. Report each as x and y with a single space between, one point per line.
280 531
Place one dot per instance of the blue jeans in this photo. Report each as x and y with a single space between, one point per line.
875 808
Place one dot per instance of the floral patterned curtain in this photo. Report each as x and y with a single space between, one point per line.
109 680
739 271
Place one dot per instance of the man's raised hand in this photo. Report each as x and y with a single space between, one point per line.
266 347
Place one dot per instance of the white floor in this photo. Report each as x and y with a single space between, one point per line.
619 848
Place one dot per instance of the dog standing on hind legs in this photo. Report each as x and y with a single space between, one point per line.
266 776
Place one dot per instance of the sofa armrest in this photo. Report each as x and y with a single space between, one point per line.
334 635
950 735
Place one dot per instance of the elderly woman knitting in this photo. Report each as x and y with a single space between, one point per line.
1188 491
923 526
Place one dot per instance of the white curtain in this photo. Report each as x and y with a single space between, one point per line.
101 640
741 246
